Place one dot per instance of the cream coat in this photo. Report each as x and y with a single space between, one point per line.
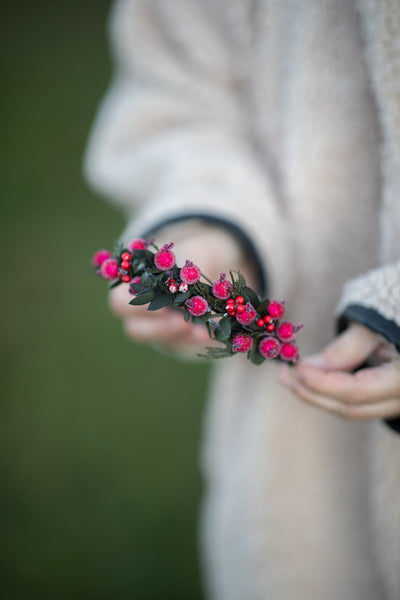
282 117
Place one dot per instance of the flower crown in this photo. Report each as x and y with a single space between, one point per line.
232 312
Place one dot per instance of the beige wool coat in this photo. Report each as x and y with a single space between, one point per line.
280 118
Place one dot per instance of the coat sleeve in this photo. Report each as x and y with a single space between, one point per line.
171 140
374 298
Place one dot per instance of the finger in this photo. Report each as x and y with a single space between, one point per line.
349 350
378 410
119 299
151 328
365 386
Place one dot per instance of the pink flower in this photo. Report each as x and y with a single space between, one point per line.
289 352
222 288
248 316
164 259
276 309
132 286
190 273
197 306
109 269
285 331
138 244
269 347
242 342
100 256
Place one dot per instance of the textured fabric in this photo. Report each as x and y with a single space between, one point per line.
283 118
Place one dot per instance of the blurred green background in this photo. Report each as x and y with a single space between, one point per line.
99 479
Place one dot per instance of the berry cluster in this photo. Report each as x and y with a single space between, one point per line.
231 311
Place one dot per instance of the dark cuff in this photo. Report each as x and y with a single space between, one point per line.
375 321
242 237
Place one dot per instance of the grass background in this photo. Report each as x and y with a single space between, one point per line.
99 478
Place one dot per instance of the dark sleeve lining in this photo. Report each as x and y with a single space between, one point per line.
375 321
246 242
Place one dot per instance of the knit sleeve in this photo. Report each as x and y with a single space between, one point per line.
171 139
373 299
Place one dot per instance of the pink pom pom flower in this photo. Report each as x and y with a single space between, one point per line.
276 309
242 343
197 306
248 316
132 286
100 256
286 331
269 347
289 352
137 244
222 288
190 273
109 269
165 259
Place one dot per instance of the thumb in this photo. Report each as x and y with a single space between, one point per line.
348 351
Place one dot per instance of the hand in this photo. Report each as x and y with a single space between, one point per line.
163 328
214 251
327 379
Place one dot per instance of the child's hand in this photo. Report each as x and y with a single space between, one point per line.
214 251
326 379
165 328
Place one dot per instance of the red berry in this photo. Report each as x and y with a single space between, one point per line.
242 343
269 347
126 256
247 316
240 309
267 319
173 288
276 309
239 299
222 288
231 312
126 265
125 278
231 302
289 352
270 327
260 323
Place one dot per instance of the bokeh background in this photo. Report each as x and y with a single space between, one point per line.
100 484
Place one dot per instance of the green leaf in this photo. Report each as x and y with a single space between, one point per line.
241 280
217 352
181 298
208 325
159 301
202 319
186 315
143 298
263 306
223 329
149 256
255 357
114 284
251 296
147 279
140 287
